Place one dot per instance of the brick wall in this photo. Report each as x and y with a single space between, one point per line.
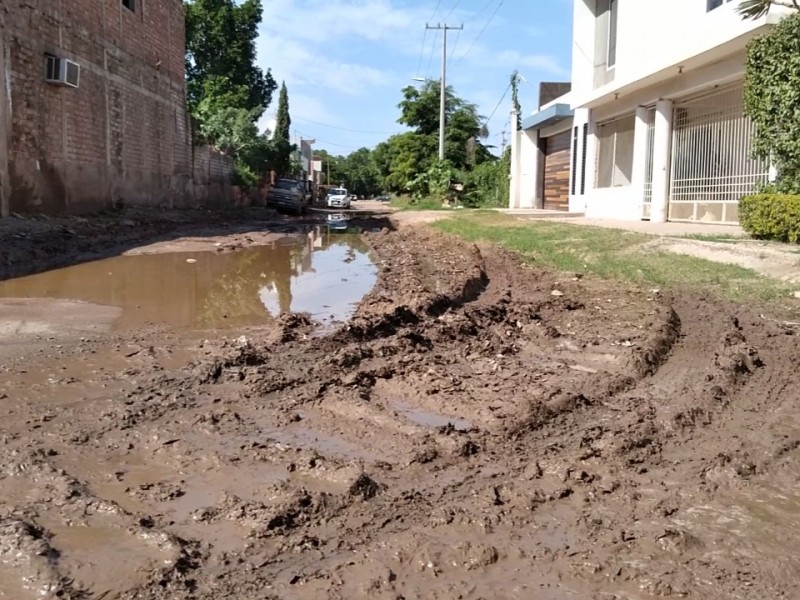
5 122
124 134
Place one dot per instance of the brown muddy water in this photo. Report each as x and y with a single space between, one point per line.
318 272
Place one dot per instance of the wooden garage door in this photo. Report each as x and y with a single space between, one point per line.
556 172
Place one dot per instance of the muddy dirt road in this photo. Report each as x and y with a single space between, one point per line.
391 415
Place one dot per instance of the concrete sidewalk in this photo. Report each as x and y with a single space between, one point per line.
662 229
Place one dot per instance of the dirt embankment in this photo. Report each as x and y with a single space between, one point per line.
480 429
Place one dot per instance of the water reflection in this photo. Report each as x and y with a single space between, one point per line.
320 271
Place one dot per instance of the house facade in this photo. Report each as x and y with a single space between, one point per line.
541 152
655 114
658 129
93 109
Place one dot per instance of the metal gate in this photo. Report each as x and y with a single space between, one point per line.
711 163
647 201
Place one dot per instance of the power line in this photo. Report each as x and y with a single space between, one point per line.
455 45
345 128
433 49
503 97
435 10
452 10
480 33
421 51
348 146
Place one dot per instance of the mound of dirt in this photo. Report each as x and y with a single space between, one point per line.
481 428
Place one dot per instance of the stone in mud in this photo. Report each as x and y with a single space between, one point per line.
365 486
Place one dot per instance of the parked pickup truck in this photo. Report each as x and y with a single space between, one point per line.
291 195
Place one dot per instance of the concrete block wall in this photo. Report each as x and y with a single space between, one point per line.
124 135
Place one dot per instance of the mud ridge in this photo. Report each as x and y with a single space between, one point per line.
483 428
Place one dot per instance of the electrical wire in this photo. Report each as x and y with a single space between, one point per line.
503 97
481 32
348 146
344 128
421 51
435 10
452 52
430 60
452 10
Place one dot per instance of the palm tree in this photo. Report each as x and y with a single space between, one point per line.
753 9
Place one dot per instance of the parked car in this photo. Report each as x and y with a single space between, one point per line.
383 198
289 194
337 198
338 222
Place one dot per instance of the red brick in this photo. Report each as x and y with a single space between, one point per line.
124 133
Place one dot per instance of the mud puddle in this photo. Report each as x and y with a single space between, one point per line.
103 557
428 418
318 272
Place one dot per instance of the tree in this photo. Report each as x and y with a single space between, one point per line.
487 185
772 99
281 137
361 174
234 132
402 157
405 156
221 55
753 9
332 167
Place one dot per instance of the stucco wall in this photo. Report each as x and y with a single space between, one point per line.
653 36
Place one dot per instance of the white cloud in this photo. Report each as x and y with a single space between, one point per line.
300 104
345 61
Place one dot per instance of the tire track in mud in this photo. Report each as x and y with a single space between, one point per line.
481 428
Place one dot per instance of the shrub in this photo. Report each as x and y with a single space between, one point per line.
772 99
771 216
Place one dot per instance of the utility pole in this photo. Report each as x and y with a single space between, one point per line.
443 81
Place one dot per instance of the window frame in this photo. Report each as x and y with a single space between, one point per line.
611 35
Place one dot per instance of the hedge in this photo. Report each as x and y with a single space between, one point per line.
771 216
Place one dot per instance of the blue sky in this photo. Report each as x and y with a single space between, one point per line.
345 61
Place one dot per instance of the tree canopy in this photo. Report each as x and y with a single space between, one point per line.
772 99
408 162
227 92
221 55
281 137
753 9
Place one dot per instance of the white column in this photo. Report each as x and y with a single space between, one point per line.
538 170
639 173
591 161
514 176
662 153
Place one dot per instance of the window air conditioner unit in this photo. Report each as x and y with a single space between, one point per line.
62 71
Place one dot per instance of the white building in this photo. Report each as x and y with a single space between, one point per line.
540 152
658 130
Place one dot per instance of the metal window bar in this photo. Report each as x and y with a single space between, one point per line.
583 157
648 173
574 159
711 163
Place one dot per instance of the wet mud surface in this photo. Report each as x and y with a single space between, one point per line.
477 428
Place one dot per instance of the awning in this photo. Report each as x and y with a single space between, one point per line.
549 116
